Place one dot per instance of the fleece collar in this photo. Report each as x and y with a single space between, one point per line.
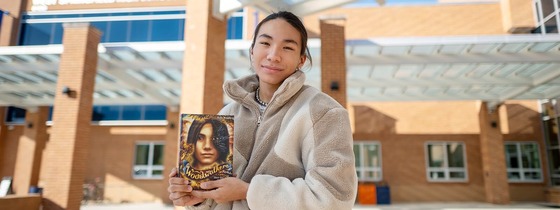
243 89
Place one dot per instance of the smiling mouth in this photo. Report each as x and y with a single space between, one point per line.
272 68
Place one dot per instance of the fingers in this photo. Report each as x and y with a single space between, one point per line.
174 188
176 180
173 172
211 184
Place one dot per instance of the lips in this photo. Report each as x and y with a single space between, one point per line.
271 68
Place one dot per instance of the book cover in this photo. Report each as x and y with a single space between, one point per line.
205 147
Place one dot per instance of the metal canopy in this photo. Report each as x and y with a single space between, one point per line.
489 68
298 7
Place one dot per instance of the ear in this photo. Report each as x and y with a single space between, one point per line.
303 58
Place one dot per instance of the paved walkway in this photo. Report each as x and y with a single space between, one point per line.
408 206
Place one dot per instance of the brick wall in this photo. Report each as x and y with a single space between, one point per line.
204 60
67 148
333 59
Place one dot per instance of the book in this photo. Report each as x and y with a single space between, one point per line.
205 147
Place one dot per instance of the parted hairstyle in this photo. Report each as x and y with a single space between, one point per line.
220 136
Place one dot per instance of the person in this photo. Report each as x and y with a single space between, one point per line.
293 143
211 140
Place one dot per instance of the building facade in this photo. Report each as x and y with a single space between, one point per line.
425 150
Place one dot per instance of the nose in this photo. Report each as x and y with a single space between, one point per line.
274 54
207 143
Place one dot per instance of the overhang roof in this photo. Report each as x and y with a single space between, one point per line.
298 7
489 68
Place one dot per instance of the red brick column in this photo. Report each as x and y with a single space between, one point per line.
30 150
10 23
171 144
67 149
204 60
333 59
493 157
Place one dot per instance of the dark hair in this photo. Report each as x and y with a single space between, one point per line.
292 20
220 136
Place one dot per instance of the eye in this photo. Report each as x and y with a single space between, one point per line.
264 43
200 137
289 48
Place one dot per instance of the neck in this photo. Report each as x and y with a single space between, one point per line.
266 92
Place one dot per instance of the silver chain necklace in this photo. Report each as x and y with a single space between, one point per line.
262 103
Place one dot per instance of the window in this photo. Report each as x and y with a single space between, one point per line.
368 161
139 26
523 162
129 112
148 161
446 161
550 118
15 115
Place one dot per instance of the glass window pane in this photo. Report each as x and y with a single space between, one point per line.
15 115
158 155
118 31
139 31
372 175
110 112
132 113
142 152
511 156
530 156
532 175
165 30
57 34
514 175
435 155
371 158
457 175
555 161
155 112
551 132
157 172
437 175
141 172
36 33
235 28
455 155
357 152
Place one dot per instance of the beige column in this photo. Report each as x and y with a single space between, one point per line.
333 58
10 22
30 150
493 156
204 60
67 149
517 16
171 145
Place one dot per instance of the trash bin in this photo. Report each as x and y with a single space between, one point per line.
366 193
383 194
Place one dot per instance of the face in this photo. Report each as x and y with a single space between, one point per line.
276 53
205 152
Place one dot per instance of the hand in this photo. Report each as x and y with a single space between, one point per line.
223 190
180 191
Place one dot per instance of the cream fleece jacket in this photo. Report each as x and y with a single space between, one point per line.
297 154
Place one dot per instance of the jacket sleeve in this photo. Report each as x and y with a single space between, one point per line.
330 180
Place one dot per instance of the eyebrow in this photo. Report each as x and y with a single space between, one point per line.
285 40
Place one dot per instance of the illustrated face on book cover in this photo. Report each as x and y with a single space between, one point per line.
205 151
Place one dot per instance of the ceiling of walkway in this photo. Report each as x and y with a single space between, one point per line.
490 68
